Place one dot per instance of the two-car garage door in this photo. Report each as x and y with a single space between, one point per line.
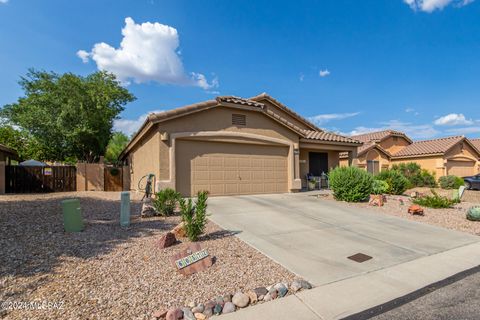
461 168
230 168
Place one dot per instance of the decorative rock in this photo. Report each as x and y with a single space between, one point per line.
241 300
199 308
228 307
260 291
208 310
179 230
227 298
415 209
267 297
191 305
147 209
261 297
200 316
159 313
253 296
188 314
174 314
167 240
281 289
300 284
219 300
273 293
217 309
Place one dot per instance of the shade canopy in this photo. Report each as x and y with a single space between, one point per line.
32 163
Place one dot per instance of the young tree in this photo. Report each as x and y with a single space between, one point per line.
115 146
69 116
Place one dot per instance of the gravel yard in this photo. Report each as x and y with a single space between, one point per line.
106 272
453 218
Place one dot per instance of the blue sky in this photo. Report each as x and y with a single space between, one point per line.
352 66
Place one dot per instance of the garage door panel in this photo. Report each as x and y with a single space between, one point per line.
461 168
228 169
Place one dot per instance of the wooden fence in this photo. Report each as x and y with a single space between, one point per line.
26 179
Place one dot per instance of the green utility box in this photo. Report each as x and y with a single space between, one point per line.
72 216
125 209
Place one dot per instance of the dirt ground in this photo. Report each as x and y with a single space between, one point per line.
106 272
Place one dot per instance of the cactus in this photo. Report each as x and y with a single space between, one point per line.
473 214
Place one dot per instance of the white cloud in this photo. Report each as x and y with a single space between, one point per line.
324 73
432 5
301 77
130 126
463 131
453 119
3 1
147 52
411 110
417 131
324 118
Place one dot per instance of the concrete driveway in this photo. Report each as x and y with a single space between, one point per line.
313 238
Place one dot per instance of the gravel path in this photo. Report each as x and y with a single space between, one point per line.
452 218
106 272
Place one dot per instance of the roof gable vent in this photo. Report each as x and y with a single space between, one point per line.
239 119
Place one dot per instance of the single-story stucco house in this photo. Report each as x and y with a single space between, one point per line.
231 145
455 155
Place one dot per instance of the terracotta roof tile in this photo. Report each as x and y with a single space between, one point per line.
435 146
378 135
238 100
476 143
328 136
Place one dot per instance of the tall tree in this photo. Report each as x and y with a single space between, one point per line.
115 146
69 116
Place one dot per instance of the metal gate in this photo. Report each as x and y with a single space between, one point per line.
25 179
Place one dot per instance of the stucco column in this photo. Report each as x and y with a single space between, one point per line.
297 182
352 158
2 177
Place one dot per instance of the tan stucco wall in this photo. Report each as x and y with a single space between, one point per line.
145 158
333 161
432 164
393 146
2 177
374 155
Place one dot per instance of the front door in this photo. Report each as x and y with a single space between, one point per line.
318 163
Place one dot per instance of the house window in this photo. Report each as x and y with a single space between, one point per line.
239 119
373 166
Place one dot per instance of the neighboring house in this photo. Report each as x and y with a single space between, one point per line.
233 145
444 156
6 157
476 143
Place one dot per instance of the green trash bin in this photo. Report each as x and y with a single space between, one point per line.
72 216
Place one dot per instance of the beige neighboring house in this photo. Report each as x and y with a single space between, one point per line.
6 157
455 155
231 145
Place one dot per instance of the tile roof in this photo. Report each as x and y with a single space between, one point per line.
238 100
378 135
366 147
7 149
328 136
476 143
427 147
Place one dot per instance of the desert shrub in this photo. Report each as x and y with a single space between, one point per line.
473 213
194 216
166 201
379 187
435 201
397 182
417 177
350 184
450 182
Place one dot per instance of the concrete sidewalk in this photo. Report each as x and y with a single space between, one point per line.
349 296
313 238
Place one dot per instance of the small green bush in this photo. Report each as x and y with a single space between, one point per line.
380 187
194 216
450 182
435 201
350 184
397 183
166 201
416 176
